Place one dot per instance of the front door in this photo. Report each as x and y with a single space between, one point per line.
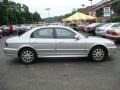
67 44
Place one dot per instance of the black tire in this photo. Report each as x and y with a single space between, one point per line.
98 54
27 56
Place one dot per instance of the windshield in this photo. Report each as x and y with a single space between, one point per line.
107 25
92 25
116 25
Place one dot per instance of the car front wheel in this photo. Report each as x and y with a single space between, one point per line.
27 56
98 54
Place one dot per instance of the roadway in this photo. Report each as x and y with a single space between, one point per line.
59 73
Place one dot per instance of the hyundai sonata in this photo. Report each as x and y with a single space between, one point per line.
57 41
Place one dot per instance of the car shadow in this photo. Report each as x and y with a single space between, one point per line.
61 60
16 61
70 60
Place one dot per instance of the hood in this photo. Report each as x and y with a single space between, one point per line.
114 30
98 40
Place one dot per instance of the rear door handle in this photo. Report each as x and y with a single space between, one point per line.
61 42
35 43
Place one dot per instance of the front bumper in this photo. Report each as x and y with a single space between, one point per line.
10 52
112 50
100 33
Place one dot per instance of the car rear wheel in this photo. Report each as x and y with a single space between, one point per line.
27 56
98 54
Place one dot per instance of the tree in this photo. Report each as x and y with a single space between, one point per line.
99 12
116 7
36 17
5 12
15 13
1 14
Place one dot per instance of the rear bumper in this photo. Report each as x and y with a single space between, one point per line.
10 52
113 37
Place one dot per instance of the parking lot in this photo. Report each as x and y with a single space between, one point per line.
59 73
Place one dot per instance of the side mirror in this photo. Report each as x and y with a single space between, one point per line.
77 37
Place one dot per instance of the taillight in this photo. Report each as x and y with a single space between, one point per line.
83 28
114 33
6 44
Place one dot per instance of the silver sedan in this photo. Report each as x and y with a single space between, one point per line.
57 41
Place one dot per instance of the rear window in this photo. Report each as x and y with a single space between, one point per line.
92 25
116 25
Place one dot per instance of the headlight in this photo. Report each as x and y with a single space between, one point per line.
110 44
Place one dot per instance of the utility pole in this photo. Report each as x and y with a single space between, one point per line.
48 9
91 2
83 5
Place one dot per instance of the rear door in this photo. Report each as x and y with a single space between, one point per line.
43 41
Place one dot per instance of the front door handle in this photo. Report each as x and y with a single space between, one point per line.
61 42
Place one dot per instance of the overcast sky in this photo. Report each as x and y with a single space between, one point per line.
57 7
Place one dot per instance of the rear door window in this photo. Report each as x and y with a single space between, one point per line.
43 33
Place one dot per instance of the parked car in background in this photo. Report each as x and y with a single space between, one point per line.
1 32
16 29
24 28
57 41
74 26
113 33
101 31
83 28
5 30
92 27
80 25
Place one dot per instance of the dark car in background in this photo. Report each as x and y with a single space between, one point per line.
5 30
24 28
74 26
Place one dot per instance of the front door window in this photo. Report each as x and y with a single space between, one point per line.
64 34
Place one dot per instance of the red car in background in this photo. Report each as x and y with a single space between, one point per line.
1 33
114 33
83 28
91 28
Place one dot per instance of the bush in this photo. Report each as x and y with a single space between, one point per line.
114 20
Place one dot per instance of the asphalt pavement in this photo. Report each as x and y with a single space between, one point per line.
59 73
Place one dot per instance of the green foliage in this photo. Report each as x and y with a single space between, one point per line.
36 17
116 7
99 12
15 13
114 20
